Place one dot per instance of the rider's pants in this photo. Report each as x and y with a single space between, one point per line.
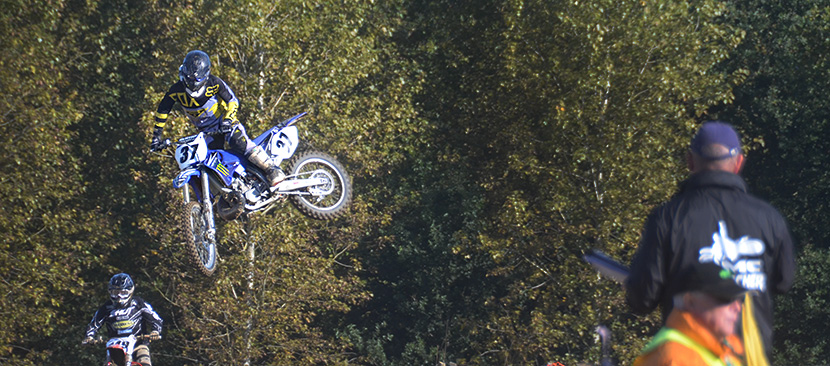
239 141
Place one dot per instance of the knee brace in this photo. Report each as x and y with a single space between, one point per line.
237 140
142 355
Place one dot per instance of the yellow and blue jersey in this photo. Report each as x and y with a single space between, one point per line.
217 103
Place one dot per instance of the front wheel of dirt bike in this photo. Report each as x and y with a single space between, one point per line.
327 200
201 247
117 357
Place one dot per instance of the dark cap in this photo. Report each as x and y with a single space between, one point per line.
712 280
716 133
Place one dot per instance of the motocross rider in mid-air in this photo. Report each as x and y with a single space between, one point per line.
125 314
211 106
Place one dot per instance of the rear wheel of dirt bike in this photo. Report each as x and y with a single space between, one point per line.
330 198
201 249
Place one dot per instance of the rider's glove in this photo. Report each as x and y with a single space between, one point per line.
87 340
156 144
154 336
226 126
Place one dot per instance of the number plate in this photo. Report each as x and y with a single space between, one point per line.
191 153
125 343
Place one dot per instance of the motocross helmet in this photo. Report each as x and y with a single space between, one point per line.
120 289
195 70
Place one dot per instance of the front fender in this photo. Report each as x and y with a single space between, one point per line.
184 176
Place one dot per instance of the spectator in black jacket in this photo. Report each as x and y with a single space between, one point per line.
713 219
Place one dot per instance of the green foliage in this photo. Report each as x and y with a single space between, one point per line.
563 122
45 226
782 109
490 144
800 341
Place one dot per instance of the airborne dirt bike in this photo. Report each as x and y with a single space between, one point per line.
120 349
226 184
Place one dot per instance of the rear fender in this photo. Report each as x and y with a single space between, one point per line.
280 141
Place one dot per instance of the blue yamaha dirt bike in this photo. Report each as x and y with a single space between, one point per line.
226 184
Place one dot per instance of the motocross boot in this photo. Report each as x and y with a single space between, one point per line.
258 157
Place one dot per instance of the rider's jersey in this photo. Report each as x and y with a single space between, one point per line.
122 322
217 103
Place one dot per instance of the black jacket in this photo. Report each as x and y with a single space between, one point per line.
713 219
138 317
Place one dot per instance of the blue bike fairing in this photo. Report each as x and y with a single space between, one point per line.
224 163
261 138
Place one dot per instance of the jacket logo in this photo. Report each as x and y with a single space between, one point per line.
742 256
185 100
124 324
211 90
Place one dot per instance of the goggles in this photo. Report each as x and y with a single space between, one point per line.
120 293
193 80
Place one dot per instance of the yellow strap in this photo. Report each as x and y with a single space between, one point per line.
668 334
754 346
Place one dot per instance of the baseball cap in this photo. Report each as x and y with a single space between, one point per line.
716 132
712 280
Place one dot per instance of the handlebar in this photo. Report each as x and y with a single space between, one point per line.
100 340
94 341
144 337
279 126
164 144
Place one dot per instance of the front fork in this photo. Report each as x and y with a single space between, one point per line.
207 205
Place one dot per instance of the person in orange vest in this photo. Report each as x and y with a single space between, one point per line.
702 327
714 218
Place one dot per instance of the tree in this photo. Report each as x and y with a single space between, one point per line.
281 59
781 108
46 224
490 144
564 124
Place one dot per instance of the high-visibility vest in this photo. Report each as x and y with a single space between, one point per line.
669 334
